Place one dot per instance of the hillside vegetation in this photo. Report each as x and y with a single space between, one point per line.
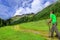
45 12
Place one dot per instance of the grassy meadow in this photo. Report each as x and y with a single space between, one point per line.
37 30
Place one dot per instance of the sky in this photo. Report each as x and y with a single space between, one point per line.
11 8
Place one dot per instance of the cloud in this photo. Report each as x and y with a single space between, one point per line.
47 4
35 7
10 8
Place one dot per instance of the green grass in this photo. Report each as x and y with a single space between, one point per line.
39 25
7 33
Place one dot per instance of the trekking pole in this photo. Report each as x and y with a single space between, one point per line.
49 29
48 24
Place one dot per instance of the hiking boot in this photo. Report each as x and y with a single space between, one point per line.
50 36
56 35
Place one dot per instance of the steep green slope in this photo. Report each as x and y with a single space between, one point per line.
45 12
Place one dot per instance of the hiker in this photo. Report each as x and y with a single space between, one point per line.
53 20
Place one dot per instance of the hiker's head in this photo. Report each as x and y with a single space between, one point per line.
52 12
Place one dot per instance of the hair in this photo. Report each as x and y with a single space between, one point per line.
53 11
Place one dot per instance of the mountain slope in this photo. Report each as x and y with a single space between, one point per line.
45 12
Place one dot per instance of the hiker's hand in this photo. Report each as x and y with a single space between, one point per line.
49 23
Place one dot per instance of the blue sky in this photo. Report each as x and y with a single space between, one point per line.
10 8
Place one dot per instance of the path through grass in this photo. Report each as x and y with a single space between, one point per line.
40 26
9 33
44 34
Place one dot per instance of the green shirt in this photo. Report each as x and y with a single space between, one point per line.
53 17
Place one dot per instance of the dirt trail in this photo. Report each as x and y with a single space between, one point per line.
45 34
